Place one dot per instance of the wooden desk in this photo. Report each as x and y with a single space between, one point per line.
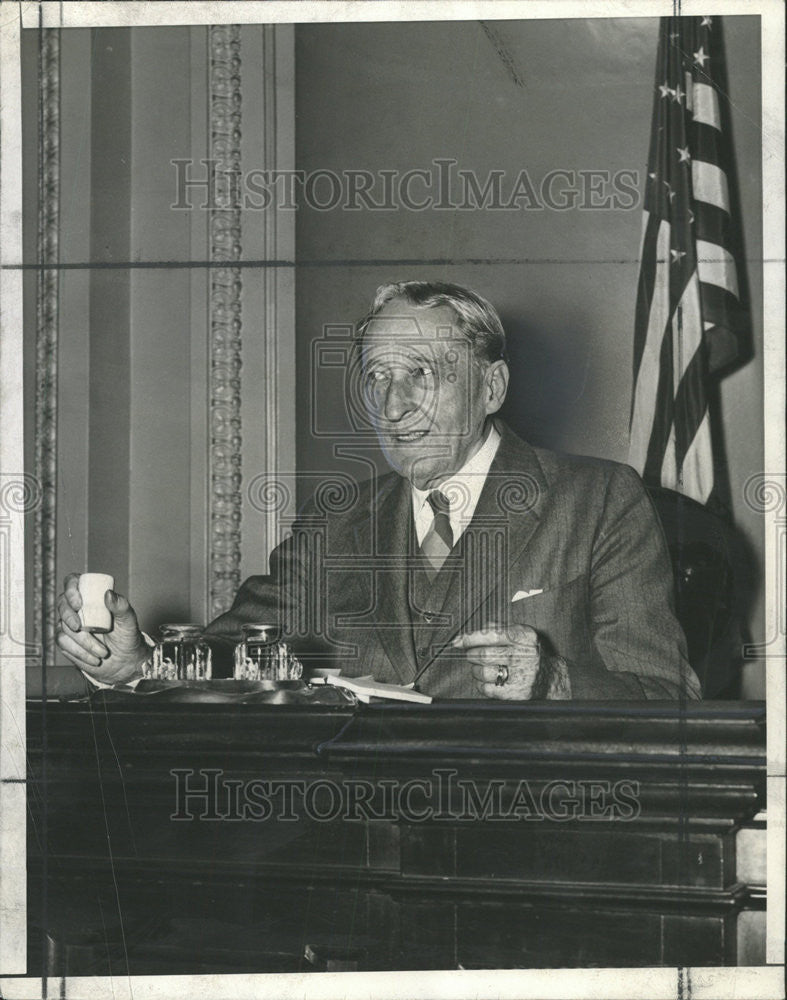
586 872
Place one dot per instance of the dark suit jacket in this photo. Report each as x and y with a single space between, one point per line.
579 537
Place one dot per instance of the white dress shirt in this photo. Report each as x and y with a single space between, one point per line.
463 488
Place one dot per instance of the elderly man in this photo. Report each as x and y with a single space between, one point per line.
480 566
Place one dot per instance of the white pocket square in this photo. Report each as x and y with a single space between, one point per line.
522 594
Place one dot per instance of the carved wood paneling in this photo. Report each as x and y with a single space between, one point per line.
47 321
269 396
225 360
20 494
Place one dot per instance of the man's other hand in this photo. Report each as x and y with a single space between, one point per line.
504 661
114 657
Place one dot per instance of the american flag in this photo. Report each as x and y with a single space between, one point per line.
689 322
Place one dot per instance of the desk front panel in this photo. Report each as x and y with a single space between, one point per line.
462 834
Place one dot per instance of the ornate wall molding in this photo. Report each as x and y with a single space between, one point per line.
19 495
277 308
766 494
225 355
47 324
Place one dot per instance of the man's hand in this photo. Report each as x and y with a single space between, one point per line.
516 649
116 657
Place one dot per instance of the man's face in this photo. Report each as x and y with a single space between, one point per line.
426 394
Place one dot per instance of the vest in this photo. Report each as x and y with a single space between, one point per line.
426 599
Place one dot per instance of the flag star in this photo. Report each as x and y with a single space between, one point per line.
674 34
701 57
683 153
665 89
676 255
691 217
706 22
652 177
678 94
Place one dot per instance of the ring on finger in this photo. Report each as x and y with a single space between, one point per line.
502 675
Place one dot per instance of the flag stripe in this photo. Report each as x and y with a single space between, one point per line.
697 468
710 184
721 346
646 377
686 330
668 473
716 266
705 142
690 405
678 351
663 415
712 224
705 105
719 307
647 281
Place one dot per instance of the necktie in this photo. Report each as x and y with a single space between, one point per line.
439 540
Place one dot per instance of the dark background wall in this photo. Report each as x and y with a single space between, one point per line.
541 96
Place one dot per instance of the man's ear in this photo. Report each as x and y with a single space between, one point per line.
495 385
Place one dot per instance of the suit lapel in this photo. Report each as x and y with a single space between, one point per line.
506 516
504 521
389 550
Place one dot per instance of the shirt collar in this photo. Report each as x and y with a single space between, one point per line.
466 483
